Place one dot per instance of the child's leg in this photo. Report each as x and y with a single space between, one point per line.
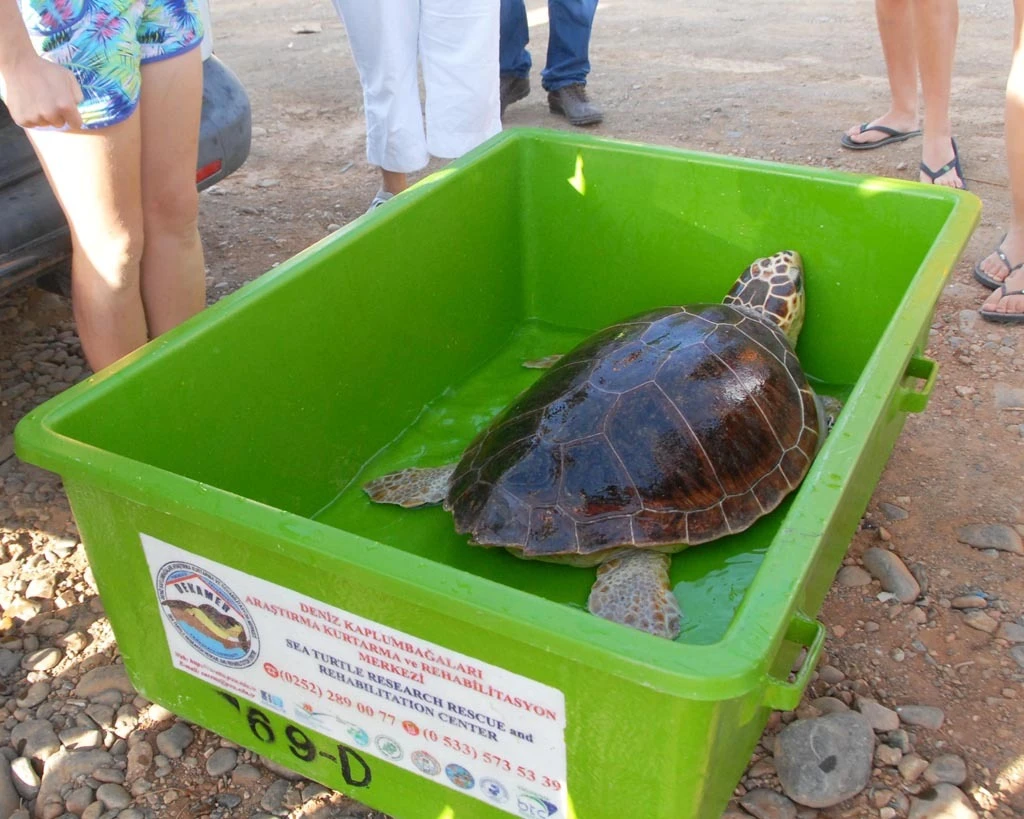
95 175
173 276
459 48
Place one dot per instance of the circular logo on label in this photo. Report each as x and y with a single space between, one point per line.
388 747
494 790
425 763
357 735
460 777
211 617
411 728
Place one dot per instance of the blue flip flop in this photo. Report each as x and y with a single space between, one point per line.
952 165
1004 318
892 135
987 280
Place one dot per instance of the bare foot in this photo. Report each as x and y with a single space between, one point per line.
1013 304
898 121
1013 248
936 154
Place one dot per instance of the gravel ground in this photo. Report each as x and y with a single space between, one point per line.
920 691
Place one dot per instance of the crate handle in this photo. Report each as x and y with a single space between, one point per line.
925 368
783 695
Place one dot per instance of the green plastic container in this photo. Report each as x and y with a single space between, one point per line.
215 476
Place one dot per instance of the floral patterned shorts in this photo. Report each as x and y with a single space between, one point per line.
104 43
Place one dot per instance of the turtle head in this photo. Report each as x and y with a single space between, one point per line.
772 289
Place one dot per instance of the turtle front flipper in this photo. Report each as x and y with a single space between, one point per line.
411 487
634 589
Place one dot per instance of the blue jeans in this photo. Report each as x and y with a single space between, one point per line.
570 22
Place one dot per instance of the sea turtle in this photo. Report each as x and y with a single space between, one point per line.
669 429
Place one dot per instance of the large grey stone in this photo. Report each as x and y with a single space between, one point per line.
991 536
824 761
62 769
35 739
10 801
102 679
892 573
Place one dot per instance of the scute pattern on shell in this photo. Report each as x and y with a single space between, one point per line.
670 429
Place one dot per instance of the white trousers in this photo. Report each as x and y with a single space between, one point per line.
457 43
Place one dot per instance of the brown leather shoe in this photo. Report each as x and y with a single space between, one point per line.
513 89
572 103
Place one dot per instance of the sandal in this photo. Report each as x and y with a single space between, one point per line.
952 165
1004 318
891 136
987 280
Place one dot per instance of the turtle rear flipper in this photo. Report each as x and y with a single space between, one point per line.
634 589
545 363
411 487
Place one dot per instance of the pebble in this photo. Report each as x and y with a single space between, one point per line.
43 659
1017 655
946 768
113 796
924 716
991 536
25 778
37 693
892 573
831 675
899 739
221 761
911 766
10 800
1008 397
886 755
853 576
944 801
173 742
764 803
9 661
879 717
35 739
824 761
969 601
274 797
980 621
1011 632
829 705
892 511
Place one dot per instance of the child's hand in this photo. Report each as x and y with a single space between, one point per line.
41 93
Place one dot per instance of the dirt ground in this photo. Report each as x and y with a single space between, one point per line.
774 81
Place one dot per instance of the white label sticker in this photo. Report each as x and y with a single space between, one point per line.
468 725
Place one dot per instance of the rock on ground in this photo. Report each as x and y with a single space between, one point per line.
826 760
